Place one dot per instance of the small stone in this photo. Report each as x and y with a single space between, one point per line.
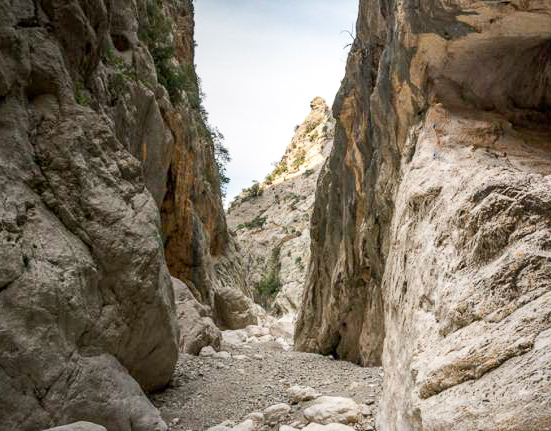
354 386
241 357
207 351
222 355
365 409
259 357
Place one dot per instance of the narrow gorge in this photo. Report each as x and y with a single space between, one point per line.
391 273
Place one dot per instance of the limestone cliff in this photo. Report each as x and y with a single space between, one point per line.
271 220
100 129
431 226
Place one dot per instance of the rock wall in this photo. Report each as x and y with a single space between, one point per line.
100 129
277 246
430 233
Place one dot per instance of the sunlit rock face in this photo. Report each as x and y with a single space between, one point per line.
94 142
431 227
278 245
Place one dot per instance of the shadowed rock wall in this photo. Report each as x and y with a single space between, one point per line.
432 213
95 140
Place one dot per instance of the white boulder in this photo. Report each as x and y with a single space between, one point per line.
276 413
302 393
207 352
328 410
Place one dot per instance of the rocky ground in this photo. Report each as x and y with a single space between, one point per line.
253 372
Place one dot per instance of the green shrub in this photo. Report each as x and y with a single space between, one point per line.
82 96
279 168
252 192
301 157
267 288
156 32
257 222
308 172
157 35
310 127
298 262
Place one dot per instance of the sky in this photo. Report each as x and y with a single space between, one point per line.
261 62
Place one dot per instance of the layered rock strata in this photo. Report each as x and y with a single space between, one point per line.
272 223
433 212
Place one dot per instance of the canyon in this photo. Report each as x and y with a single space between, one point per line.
392 273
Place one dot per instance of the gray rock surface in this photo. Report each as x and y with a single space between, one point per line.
276 413
432 213
197 329
328 427
302 393
279 246
328 410
93 146
78 426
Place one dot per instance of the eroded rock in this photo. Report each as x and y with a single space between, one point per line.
298 394
429 227
327 410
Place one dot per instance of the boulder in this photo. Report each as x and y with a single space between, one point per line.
256 417
233 339
233 309
298 394
276 413
246 425
282 328
78 426
327 410
220 428
256 331
328 427
197 330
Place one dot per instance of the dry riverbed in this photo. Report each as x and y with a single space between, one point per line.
255 375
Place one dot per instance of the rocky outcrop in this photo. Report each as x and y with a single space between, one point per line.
100 128
432 215
197 329
78 426
271 220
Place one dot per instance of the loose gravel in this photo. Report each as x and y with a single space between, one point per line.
206 391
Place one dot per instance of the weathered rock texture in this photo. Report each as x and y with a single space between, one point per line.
430 233
278 244
94 141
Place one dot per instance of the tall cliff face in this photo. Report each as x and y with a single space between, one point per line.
271 222
432 215
100 129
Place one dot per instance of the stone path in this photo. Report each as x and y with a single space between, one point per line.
256 374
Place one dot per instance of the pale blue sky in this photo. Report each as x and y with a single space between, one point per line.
261 62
